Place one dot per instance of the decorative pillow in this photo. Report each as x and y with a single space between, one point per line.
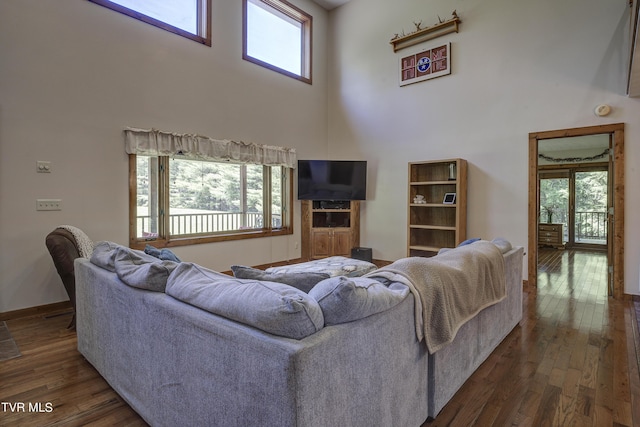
272 307
463 243
163 254
469 241
503 244
345 299
302 280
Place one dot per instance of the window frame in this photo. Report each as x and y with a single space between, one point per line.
164 239
203 18
296 14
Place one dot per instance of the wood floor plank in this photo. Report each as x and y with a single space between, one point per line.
546 413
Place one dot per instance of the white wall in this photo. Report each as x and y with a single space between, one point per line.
518 67
73 74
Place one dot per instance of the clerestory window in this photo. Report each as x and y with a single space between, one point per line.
187 18
277 36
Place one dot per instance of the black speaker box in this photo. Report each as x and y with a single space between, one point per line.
363 254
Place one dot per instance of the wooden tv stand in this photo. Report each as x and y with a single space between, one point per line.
329 228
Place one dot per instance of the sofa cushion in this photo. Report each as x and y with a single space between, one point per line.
163 254
333 266
133 267
104 254
303 280
137 269
503 244
344 299
269 306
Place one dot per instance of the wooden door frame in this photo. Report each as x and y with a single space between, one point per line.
617 132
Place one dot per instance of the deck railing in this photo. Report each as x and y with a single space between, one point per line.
210 222
591 226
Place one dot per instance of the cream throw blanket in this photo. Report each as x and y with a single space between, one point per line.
85 245
450 288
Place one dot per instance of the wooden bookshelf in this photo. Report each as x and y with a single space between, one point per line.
435 224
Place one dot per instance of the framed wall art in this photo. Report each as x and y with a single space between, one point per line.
425 64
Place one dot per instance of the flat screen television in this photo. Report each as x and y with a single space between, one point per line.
332 179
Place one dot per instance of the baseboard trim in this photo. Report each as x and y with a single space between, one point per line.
36 311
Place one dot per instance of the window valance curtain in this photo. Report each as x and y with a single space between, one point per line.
152 142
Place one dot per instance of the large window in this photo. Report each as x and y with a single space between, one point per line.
187 18
277 35
180 201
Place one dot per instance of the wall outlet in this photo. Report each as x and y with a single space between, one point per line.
49 204
43 166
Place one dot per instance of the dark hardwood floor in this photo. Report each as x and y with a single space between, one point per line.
571 362
51 371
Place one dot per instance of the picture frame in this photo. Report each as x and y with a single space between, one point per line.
449 199
425 64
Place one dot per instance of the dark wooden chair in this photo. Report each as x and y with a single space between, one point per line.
64 249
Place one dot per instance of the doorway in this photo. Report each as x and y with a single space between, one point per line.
579 226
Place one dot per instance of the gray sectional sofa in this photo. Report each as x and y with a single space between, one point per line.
181 354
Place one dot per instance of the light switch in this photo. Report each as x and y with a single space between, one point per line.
43 167
49 204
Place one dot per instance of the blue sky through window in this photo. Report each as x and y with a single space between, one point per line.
179 13
274 38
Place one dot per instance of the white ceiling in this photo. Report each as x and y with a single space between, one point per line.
330 4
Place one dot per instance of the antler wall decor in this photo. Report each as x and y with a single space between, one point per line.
401 41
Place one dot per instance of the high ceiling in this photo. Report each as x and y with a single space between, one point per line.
330 4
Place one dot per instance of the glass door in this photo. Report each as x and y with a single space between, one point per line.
577 198
554 200
590 216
